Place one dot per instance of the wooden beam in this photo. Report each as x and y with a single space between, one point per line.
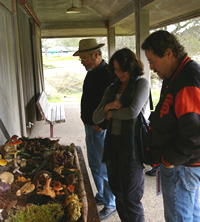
73 33
176 19
72 25
30 11
127 10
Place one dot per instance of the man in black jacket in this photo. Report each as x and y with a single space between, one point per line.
96 81
173 140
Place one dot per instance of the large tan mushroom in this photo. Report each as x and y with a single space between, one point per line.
7 177
25 189
47 191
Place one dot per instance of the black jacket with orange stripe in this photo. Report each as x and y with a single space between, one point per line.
174 132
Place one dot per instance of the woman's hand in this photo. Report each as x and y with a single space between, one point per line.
108 115
113 105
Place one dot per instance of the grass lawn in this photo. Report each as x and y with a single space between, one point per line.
53 61
66 85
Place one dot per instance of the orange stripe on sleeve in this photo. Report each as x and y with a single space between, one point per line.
166 163
187 101
195 164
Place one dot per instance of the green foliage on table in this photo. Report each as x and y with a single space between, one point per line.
45 213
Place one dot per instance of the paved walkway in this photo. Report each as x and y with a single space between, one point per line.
72 131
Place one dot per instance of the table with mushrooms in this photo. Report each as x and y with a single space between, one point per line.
40 180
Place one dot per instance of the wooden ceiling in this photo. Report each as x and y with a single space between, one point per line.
96 15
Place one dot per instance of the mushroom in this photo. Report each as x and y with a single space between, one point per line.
7 177
75 170
16 170
60 193
4 187
6 146
3 162
57 186
14 143
71 160
30 188
14 137
23 162
1 218
70 188
26 188
38 184
22 179
42 176
73 207
14 152
70 179
58 170
47 191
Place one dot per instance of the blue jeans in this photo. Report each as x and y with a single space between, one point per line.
180 187
95 144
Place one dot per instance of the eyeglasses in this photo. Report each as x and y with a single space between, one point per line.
82 60
85 59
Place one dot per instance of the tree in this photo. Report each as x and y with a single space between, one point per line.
188 33
48 43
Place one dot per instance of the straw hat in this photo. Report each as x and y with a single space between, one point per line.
87 46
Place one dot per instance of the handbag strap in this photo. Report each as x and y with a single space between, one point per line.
150 100
150 96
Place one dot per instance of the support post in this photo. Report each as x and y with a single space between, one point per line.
142 31
111 41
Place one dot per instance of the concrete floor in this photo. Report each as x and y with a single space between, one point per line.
72 131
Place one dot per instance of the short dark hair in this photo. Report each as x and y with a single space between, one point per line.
128 62
99 52
161 40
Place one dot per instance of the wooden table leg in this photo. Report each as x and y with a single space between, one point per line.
51 130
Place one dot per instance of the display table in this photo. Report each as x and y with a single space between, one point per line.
41 174
93 214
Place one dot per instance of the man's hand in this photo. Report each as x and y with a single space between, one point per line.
97 128
169 167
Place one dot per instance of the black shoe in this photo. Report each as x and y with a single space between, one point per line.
105 213
98 202
152 171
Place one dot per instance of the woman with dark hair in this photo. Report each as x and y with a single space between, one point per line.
120 105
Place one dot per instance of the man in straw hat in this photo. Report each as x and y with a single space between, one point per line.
95 83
